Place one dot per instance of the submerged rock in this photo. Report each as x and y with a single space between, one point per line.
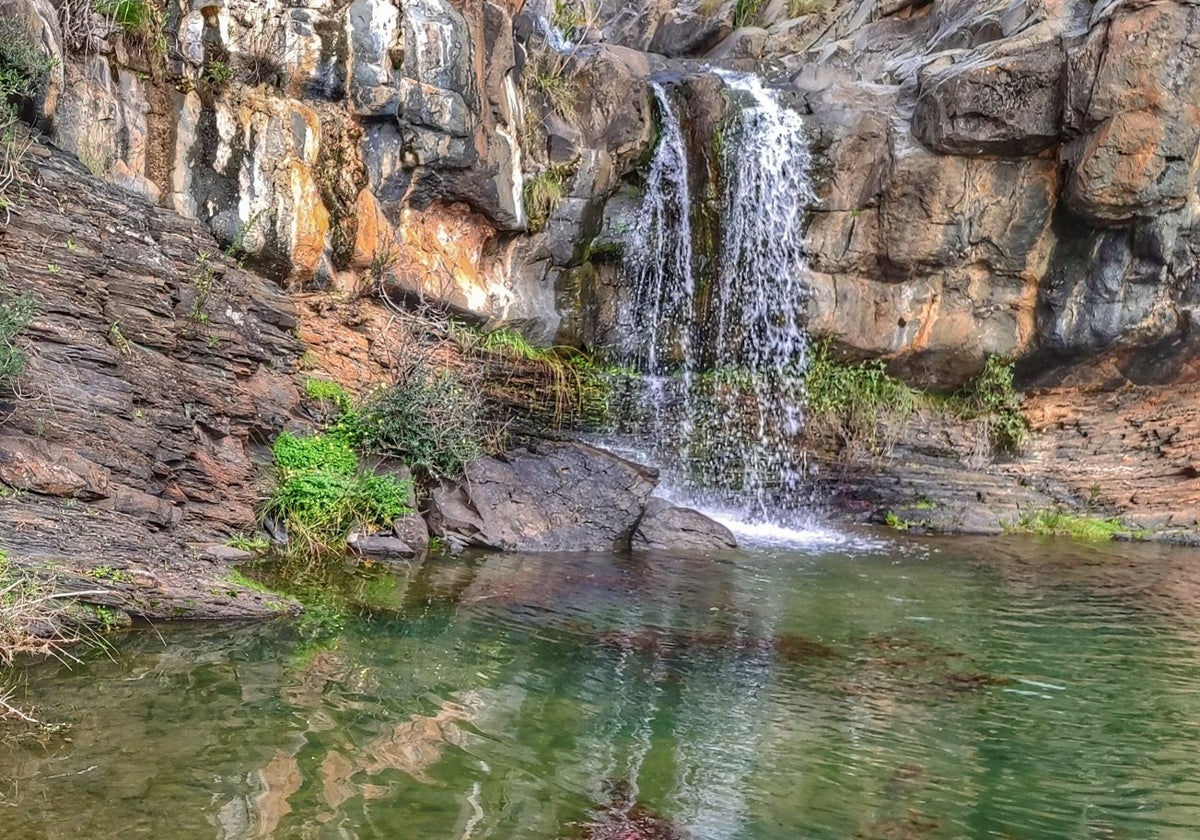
624 818
552 497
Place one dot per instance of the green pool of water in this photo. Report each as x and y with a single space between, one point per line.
976 689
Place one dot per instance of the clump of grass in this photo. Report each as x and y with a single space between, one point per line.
540 388
543 191
328 391
252 544
864 407
548 73
321 494
861 404
800 8
1050 522
141 21
16 312
747 12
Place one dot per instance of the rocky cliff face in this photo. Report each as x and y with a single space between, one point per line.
997 178
1012 178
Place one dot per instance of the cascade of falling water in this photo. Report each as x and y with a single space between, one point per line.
735 427
659 255
761 291
658 262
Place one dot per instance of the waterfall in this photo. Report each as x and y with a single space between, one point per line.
725 374
761 285
659 255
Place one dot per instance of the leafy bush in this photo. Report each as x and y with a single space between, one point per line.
859 403
24 68
321 494
428 420
993 397
16 311
325 390
319 452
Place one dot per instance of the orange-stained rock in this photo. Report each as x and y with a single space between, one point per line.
374 237
309 234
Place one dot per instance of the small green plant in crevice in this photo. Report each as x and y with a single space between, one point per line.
218 73
747 12
548 72
1053 522
140 20
109 574
896 522
16 313
542 193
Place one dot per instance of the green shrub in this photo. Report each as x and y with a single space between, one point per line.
993 397
24 68
16 311
319 508
218 73
318 452
428 420
321 493
324 390
861 404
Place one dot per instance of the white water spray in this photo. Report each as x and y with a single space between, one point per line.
735 424
761 287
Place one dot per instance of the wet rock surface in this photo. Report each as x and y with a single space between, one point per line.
669 527
552 497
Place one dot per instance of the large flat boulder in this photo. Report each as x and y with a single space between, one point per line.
552 497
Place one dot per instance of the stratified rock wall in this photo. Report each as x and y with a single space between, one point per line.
348 143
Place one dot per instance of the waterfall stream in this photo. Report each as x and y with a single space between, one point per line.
721 401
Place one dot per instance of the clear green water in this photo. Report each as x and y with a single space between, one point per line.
1018 689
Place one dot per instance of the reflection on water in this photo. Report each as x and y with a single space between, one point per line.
932 689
